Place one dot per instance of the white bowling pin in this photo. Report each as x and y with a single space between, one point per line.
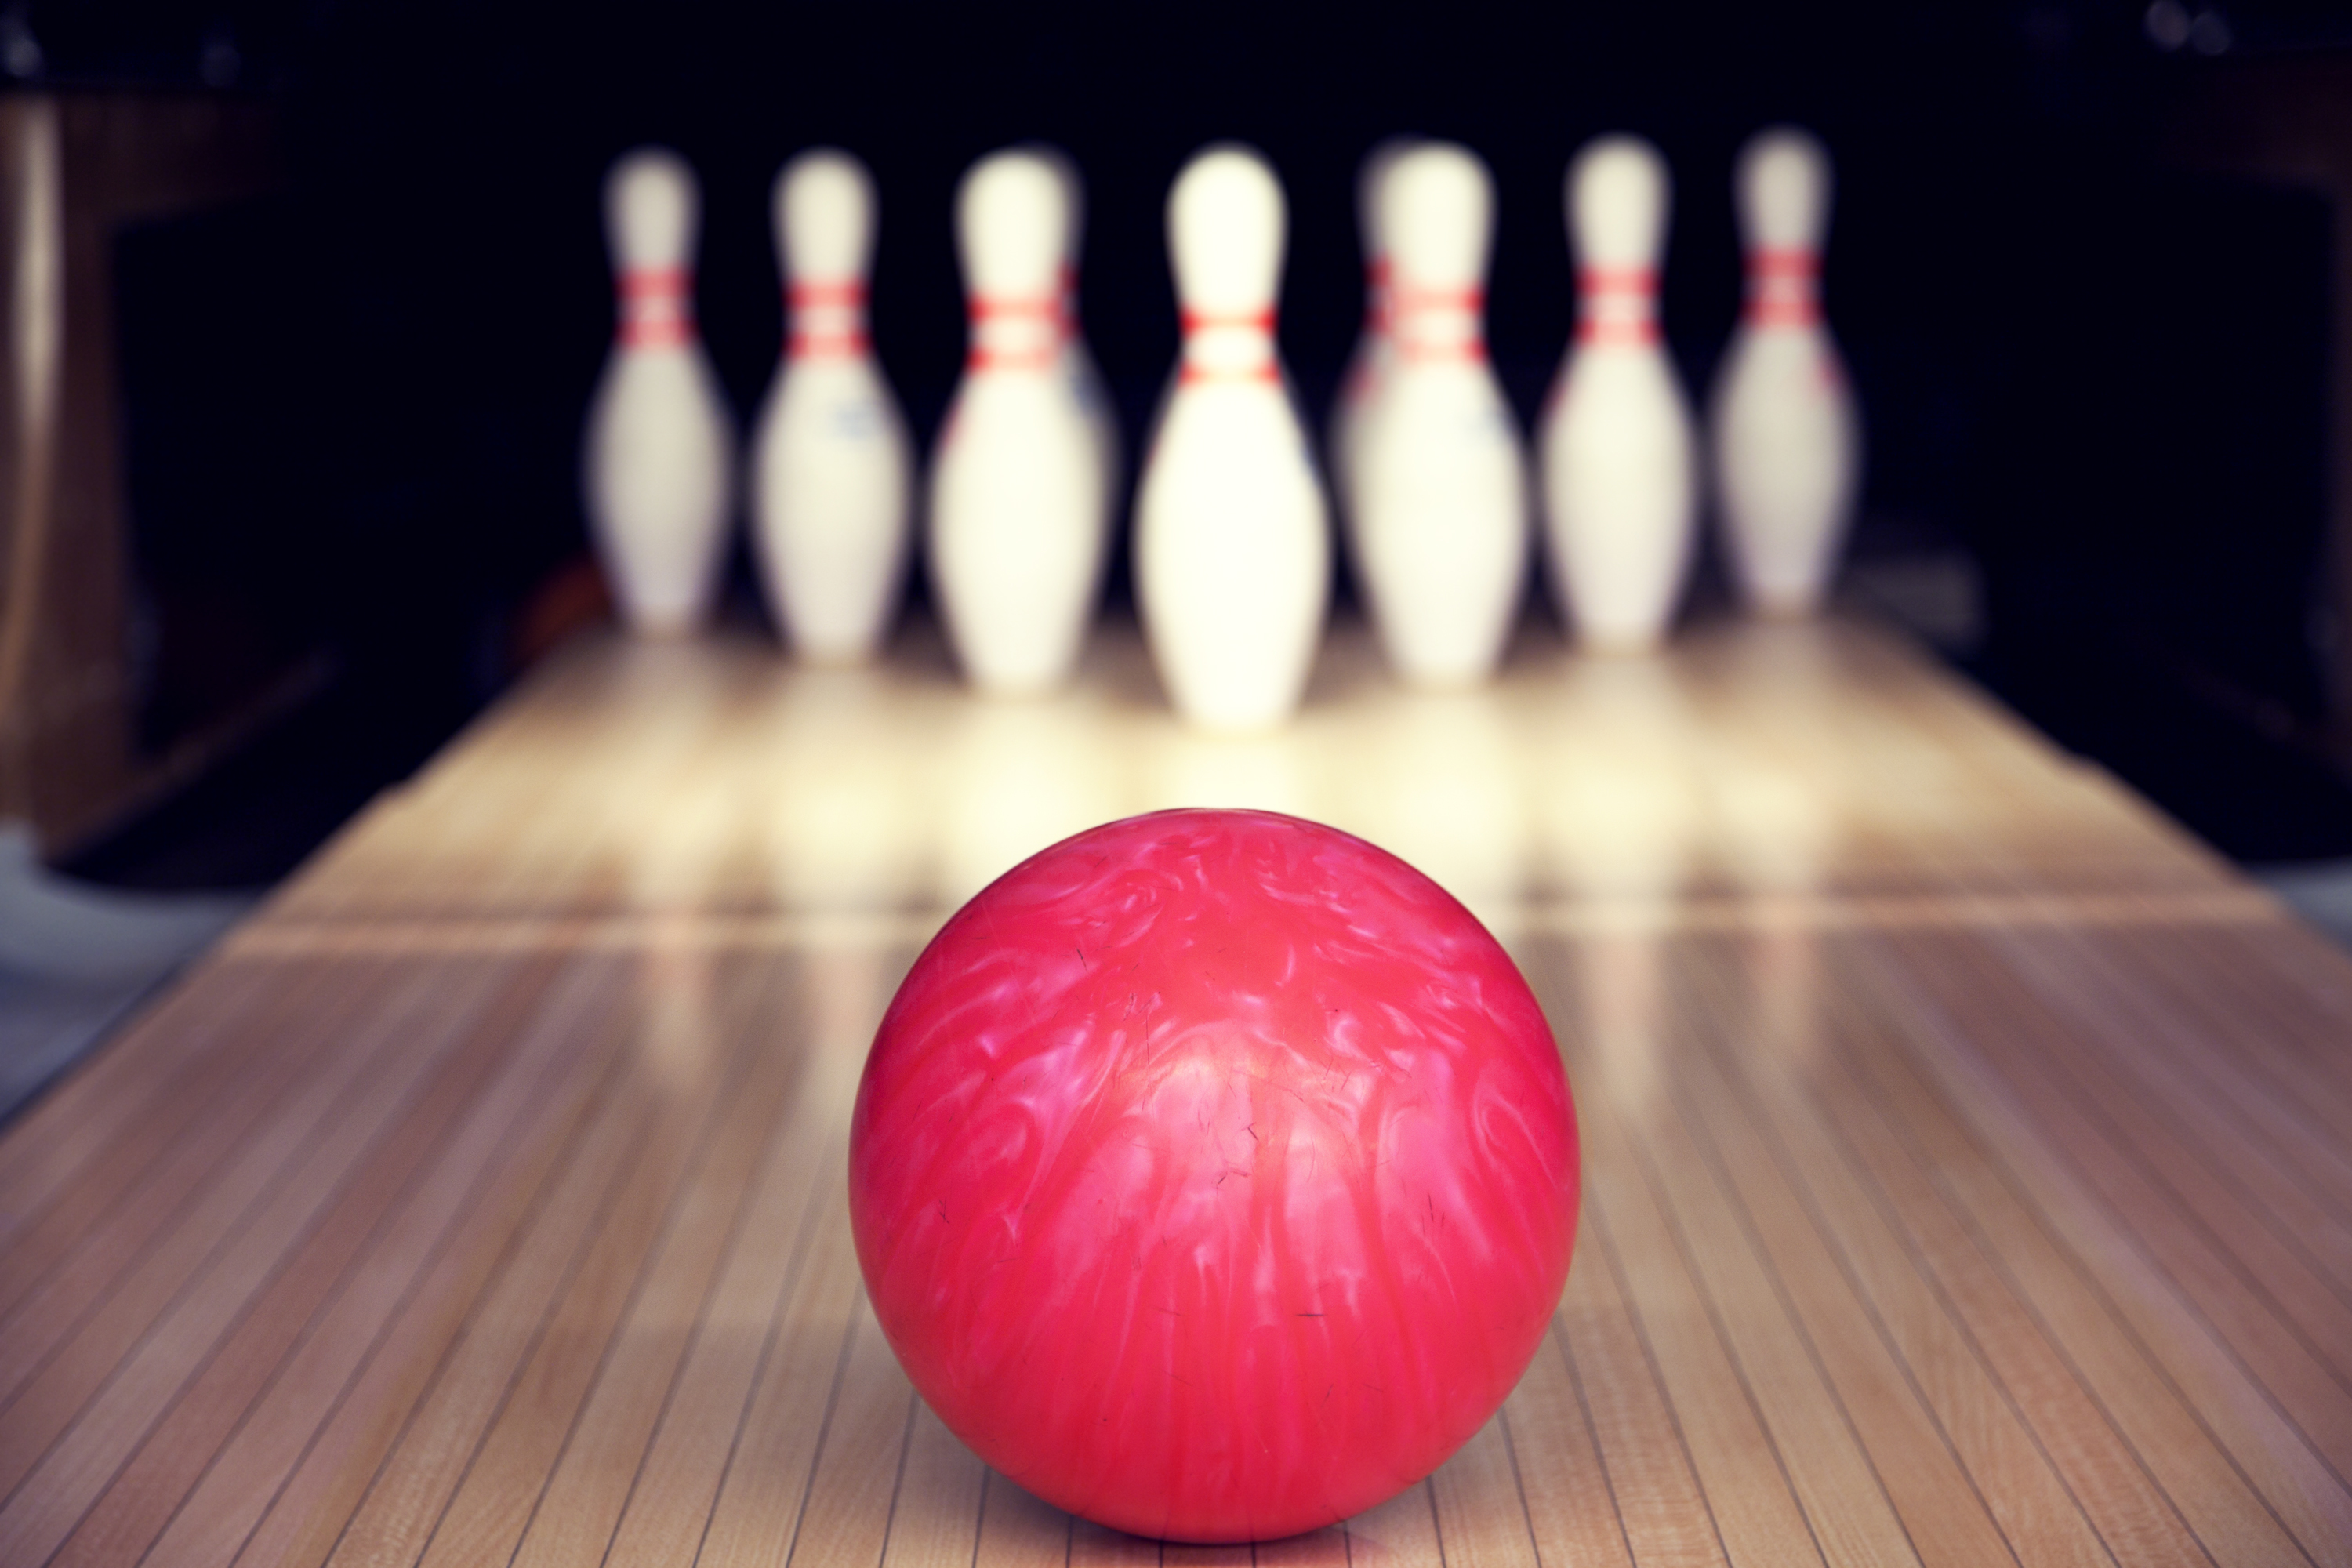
831 468
1078 362
1618 470
658 467
1232 550
1787 440
1016 499
1441 534
1367 363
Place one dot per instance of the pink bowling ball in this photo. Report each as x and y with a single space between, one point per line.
1213 1174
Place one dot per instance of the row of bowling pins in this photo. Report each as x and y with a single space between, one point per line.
1232 541
1420 431
831 468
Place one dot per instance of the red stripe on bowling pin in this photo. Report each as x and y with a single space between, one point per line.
1193 374
656 283
1195 321
1443 354
827 345
1011 358
1050 309
1192 322
1641 281
1470 353
656 307
1781 286
986 309
1629 295
1788 263
1617 334
844 341
1411 302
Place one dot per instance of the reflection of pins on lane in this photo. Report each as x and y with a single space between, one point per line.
832 472
659 476
1232 553
1788 443
1018 530
1617 446
1441 499
1368 365
1078 364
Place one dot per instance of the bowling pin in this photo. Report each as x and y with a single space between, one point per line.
831 468
659 458
1441 500
1617 450
1787 440
1017 527
1232 550
1367 363
1078 362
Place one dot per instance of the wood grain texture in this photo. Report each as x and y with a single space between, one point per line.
1968 1154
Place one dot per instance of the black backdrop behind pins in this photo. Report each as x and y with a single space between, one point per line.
449 303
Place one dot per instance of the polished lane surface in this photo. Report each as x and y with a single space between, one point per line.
1969 1156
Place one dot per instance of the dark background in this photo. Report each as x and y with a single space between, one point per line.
353 410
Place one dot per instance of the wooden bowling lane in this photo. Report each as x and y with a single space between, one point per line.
1968 1155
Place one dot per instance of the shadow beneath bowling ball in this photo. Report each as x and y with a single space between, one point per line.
1330 1547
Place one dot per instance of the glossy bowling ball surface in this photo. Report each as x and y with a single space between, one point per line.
1213 1175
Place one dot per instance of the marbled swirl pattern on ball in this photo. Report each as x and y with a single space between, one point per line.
1213 1174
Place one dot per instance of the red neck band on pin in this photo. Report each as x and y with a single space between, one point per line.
1780 291
1208 320
1783 313
1193 372
988 307
645 291
1471 350
656 283
1783 263
826 345
1640 281
1051 308
1472 299
844 341
1641 333
845 293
